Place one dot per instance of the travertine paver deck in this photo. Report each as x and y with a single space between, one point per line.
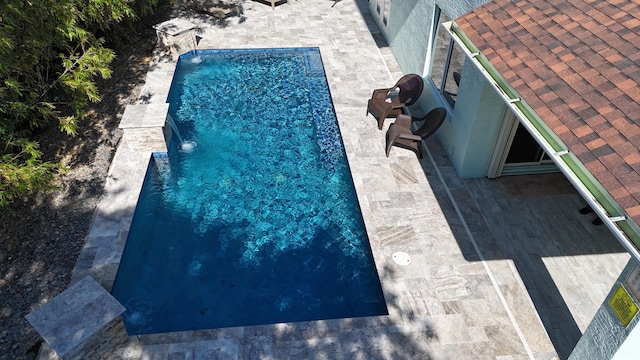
486 265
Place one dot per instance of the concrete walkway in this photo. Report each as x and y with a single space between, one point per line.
500 269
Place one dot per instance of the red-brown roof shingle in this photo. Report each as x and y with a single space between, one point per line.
577 63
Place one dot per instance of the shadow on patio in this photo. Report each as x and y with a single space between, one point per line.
566 264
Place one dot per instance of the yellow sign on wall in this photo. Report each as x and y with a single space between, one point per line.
623 305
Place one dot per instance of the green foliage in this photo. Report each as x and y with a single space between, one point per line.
50 58
21 170
146 7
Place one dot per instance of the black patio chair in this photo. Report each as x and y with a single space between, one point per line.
401 135
390 102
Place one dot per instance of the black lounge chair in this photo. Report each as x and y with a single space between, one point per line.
400 134
390 102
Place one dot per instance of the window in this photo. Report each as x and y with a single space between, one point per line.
448 60
383 7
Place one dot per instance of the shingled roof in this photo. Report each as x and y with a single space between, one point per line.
577 64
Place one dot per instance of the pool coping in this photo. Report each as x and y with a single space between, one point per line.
105 243
322 119
142 125
443 304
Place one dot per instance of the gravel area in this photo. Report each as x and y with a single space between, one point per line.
42 234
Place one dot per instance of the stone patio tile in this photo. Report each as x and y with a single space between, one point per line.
465 237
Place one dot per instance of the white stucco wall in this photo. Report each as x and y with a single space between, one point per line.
408 30
606 338
408 33
470 130
469 135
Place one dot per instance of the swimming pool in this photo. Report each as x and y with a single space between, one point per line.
251 218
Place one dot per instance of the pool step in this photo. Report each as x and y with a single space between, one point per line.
314 63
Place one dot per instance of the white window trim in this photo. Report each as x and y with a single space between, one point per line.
433 31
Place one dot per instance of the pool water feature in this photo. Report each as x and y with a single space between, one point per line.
258 223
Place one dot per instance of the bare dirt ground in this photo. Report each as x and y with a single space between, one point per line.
42 234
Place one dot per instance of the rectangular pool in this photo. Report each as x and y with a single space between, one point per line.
251 218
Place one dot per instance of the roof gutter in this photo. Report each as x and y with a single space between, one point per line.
613 216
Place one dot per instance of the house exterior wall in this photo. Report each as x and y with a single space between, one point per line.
408 33
408 29
606 338
469 133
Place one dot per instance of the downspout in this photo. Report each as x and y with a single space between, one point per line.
613 216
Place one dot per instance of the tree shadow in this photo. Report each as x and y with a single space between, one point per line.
221 14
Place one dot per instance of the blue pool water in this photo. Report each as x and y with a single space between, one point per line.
255 220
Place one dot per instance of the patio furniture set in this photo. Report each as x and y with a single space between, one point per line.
393 102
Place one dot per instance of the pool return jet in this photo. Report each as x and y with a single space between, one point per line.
185 146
